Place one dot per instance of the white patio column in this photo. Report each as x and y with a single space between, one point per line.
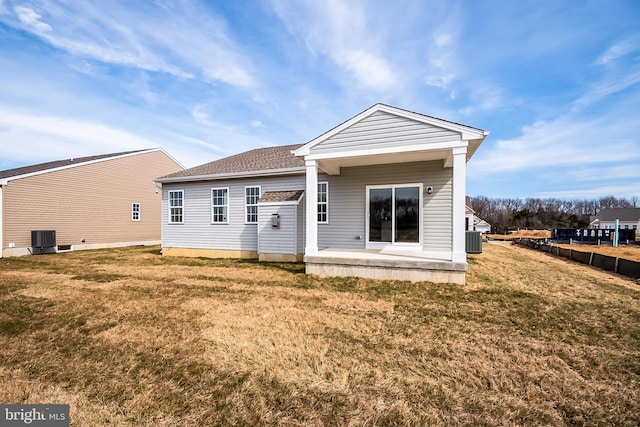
311 235
458 249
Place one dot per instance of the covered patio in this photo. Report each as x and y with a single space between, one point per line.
430 246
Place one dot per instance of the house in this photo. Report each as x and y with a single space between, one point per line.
90 202
481 225
473 223
381 195
629 218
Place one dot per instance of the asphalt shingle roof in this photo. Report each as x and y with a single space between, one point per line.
281 196
8 173
260 159
623 214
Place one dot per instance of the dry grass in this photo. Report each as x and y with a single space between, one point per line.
128 337
524 234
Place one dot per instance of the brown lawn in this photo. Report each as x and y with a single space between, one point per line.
524 234
127 337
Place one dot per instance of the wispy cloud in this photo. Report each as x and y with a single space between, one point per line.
31 19
618 50
40 137
609 172
182 40
613 84
567 141
625 190
342 32
442 48
598 127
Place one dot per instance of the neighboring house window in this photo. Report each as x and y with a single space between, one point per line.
251 196
626 226
635 227
323 202
135 211
220 205
176 204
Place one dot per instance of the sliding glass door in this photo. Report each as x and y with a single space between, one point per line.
394 215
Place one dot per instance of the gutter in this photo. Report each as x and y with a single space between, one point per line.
232 175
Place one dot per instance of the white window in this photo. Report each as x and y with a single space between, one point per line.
220 205
323 202
135 211
251 196
176 203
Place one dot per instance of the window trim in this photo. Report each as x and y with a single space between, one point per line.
170 219
247 205
134 211
225 206
326 203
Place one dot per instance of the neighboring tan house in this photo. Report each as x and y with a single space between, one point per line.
388 200
629 219
90 202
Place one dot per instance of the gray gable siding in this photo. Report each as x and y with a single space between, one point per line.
347 203
384 130
198 232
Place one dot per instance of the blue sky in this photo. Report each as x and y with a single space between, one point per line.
557 83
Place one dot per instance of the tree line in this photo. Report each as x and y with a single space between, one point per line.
507 214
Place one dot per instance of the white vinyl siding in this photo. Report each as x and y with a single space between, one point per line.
220 205
251 196
323 202
135 211
176 207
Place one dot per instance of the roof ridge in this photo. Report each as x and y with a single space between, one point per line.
41 167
